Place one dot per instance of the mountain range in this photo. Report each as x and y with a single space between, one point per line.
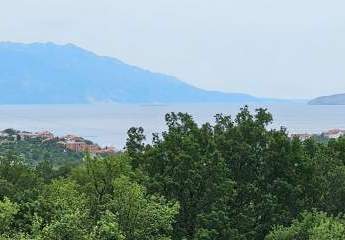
47 73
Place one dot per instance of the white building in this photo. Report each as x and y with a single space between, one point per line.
334 133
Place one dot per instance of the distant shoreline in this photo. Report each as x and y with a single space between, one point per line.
70 142
337 99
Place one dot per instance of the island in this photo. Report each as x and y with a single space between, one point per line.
337 99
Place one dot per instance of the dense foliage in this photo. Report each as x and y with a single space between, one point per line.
233 179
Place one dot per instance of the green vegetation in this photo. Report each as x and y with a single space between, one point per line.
36 150
315 226
231 180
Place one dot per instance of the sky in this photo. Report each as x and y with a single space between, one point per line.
267 48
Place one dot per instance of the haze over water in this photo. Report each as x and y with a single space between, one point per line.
107 124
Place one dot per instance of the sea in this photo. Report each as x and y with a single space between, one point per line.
107 124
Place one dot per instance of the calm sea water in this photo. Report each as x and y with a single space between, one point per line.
107 124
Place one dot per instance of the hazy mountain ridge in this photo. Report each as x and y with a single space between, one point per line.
46 73
337 99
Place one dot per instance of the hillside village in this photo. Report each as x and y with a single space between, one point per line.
330 134
69 142
79 145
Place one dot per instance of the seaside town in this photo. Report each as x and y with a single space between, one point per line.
330 134
78 144
69 142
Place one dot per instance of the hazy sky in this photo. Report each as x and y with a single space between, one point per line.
275 48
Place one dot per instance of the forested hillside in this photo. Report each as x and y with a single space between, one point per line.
36 150
233 179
